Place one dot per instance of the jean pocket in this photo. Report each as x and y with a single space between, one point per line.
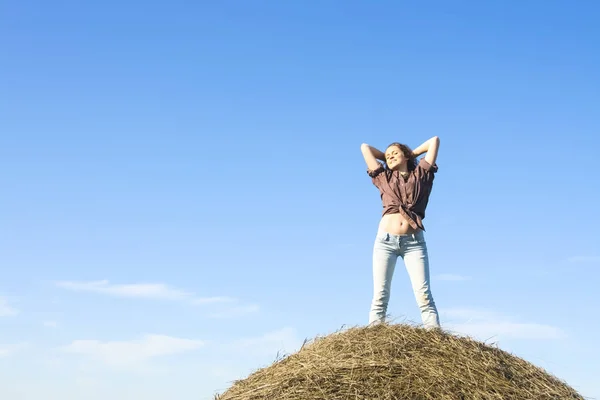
417 240
382 238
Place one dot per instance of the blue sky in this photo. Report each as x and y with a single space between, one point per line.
183 193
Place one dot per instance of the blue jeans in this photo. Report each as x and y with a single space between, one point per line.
413 250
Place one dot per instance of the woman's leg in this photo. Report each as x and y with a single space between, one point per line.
416 259
384 262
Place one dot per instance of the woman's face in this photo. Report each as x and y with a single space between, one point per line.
394 157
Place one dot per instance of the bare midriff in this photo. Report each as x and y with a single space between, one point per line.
395 224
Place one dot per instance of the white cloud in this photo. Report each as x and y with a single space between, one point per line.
213 300
140 290
235 312
512 330
6 310
452 277
485 324
468 314
10 349
134 353
50 324
584 259
158 291
283 341
86 382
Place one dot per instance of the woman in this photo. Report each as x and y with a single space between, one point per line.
405 186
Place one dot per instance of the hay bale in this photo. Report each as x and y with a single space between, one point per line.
391 362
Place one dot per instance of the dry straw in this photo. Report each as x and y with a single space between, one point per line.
393 362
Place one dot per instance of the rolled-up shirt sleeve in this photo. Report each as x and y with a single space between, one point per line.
423 164
425 171
377 174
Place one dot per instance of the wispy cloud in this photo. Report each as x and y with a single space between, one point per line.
220 306
468 314
235 312
10 349
485 324
451 277
212 300
134 353
6 310
584 259
50 324
157 291
283 340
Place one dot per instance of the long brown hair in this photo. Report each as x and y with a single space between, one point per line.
411 160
